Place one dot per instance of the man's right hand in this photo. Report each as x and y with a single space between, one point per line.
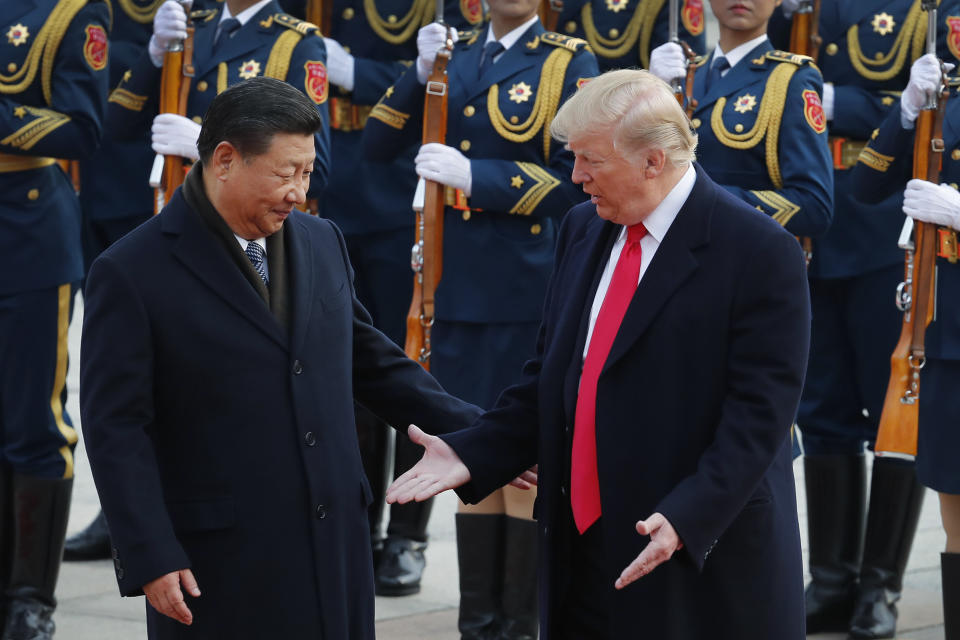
430 39
169 25
165 596
668 62
439 469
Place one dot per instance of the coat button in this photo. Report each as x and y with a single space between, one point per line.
120 573
197 119
570 27
695 123
309 439
535 229
321 512
464 145
33 194
469 110
955 154
466 216
297 368
202 85
348 13
614 33
832 49
12 67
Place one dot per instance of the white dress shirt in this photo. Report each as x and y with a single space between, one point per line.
260 241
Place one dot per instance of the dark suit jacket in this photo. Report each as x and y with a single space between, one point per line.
220 441
694 408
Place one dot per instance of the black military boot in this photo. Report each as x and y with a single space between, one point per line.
402 563
950 573
836 496
896 497
480 552
373 435
93 543
41 507
519 601
6 538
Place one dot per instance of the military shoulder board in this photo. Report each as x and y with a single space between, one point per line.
786 56
468 36
300 26
204 15
560 40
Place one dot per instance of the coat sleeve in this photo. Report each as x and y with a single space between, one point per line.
396 122
71 125
885 164
118 419
135 101
372 77
766 362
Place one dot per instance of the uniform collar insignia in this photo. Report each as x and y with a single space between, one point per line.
18 34
883 23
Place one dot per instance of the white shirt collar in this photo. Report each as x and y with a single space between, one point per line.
244 16
740 52
510 38
244 242
660 219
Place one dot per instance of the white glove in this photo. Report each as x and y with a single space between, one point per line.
925 77
445 165
169 25
175 135
828 100
667 62
339 64
927 202
789 7
429 40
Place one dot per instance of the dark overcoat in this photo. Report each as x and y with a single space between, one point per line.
222 442
694 407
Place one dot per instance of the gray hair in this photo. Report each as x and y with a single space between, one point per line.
637 107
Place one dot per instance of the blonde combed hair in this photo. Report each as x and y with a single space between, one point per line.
639 110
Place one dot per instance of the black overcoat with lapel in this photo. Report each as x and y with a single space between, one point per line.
222 442
694 407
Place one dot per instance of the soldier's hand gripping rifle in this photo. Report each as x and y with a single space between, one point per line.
897 434
683 89
427 254
168 171
805 29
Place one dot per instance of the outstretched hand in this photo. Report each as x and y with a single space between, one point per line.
664 541
438 470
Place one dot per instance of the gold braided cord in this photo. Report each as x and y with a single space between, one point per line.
783 209
769 116
143 14
874 160
421 13
545 105
910 39
221 77
27 136
43 51
127 100
278 63
543 183
643 19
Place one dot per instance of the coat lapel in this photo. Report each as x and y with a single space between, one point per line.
203 254
301 269
203 45
468 64
739 76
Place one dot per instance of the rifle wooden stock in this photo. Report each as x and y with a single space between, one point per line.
897 434
805 30
549 12
174 91
688 82
320 13
428 251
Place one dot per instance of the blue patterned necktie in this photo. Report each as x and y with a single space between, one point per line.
490 51
256 254
227 28
720 64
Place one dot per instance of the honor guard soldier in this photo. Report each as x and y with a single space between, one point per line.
761 127
856 573
622 33
884 167
238 40
507 183
53 93
370 45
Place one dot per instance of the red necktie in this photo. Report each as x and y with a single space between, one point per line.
584 485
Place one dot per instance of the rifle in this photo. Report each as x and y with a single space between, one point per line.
426 257
549 11
168 171
805 40
897 434
320 13
683 90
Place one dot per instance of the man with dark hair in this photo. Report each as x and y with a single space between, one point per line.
223 348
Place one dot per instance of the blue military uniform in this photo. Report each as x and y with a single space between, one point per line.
762 135
622 33
885 166
53 91
271 43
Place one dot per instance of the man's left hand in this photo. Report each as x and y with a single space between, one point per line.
445 165
663 542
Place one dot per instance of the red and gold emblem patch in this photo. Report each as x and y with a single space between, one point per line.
953 37
813 111
95 47
472 10
692 16
582 81
315 81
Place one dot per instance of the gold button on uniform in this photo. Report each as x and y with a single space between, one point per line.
202 85
12 67
464 145
695 123
614 33
514 119
197 119
535 229
570 27
392 19
466 215
33 194
955 154
832 49
738 128
469 110
954 185
348 13
347 49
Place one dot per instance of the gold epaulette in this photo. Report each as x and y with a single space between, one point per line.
468 36
203 15
300 26
560 40
954 82
786 56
